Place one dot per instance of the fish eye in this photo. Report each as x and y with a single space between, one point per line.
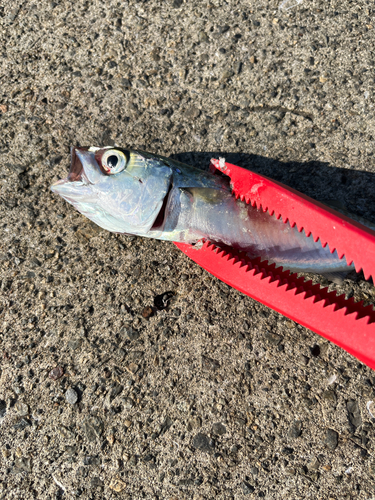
113 161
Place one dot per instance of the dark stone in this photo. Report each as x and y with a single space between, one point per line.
247 488
223 29
287 451
203 443
125 82
219 429
331 439
3 408
186 482
22 424
93 428
315 350
329 396
192 113
354 413
91 460
210 364
295 429
254 471
273 338
116 390
132 334
35 262
96 482
167 424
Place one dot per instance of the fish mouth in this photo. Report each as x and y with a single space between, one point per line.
76 171
80 174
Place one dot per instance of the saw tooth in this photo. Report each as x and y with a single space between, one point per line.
367 276
220 251
340 302
316 288
257 261
357 268
292 282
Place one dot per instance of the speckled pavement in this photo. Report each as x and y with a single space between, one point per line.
215 396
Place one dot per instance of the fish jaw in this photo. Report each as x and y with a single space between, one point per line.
77 187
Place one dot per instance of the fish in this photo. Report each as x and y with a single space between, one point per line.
139 193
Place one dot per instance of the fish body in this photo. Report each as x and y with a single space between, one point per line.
134 192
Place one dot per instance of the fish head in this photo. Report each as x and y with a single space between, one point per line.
121 190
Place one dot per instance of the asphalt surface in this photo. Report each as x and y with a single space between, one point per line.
214 396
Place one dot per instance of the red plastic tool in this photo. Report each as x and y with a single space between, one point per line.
345 322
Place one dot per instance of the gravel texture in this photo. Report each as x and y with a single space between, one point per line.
126 370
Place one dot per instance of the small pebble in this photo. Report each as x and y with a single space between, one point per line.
132 368
203 443
22 409
117 485
56 373
219 429
203 36
331 439
295 430
71 396
254 471
147 312
247 488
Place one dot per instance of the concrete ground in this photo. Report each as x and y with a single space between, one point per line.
216 396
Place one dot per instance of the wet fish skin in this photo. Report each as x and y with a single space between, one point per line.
135 192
